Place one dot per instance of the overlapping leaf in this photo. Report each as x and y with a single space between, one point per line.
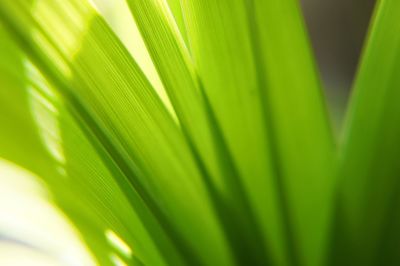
244 173
255 64
125 116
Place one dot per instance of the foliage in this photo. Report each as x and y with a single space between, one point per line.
230 159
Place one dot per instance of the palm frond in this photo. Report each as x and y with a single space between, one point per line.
215 148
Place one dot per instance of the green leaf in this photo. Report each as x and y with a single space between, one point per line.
18 124
176 9
221 48
124 116
17 127
367 217
202 131
302 145
34 116
93 195
254 61
175 68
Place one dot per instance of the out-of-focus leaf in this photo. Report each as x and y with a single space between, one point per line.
177 12
88 191
368 204
45 139
17 127
302 145
29 222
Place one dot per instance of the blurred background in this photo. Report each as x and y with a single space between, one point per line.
337 29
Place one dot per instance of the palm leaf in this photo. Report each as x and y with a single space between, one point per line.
203 138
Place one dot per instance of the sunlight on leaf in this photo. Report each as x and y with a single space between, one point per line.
29 220
191 132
